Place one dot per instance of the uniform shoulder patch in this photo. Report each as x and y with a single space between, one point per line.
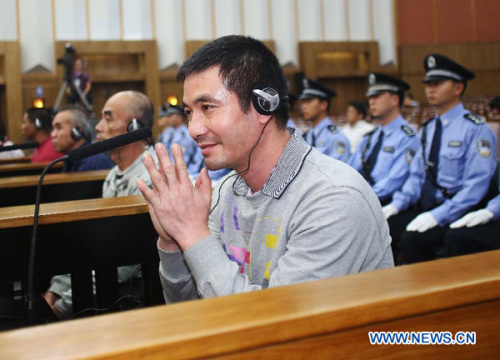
333 128
408 130
476 119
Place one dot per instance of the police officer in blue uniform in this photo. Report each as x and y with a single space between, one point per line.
323 135
385 153
451 174
181 136
167 130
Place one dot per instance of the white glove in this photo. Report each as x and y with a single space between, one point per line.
422 223
473 219
389 210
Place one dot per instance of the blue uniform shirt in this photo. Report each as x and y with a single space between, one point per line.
191 150
466 163
166 138
329 140
399 146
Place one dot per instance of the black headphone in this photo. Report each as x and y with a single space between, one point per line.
76 134
266 99
38 124
134 124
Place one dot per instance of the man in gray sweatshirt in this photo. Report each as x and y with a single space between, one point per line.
285 215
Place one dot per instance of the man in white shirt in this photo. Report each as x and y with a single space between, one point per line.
356 126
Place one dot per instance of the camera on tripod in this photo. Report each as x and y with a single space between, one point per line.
67 60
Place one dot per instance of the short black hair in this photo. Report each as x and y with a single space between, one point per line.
360 106
43 115
244 62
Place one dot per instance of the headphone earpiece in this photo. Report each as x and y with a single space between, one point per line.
265 99
134 125
38 124
76 134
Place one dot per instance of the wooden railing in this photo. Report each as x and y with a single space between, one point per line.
21 190
327 319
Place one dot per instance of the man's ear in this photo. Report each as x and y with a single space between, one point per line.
263 119
458 88
323 104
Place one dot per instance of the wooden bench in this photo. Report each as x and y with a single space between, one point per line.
20 169
77 237
326 319
24 159
21 190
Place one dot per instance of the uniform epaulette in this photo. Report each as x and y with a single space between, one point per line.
333 128
408 130
370 132
476 119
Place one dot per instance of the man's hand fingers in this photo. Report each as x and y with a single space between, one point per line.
167 167
157 178
180 164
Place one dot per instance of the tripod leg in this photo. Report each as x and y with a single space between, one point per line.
64 85
83 99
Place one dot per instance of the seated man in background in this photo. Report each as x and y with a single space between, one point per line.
451 173
36 126
356 126
4 141
123 112
385 154
323 135
286 213
190 149
71 130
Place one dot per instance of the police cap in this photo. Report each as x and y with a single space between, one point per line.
169 109
382 82
439 67
313 89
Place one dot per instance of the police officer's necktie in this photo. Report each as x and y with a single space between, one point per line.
313 138
369 163
428 195
436 145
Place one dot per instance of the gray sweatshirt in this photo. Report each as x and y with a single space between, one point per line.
315 218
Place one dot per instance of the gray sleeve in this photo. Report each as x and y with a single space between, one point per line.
324 241
176 280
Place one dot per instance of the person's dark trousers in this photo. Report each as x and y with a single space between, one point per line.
417 247
397 226
472 240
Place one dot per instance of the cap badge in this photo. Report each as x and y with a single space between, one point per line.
305 83
431 62
372 79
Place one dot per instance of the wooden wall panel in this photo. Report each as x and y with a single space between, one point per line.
10 81
415 19
487 20
454 21
446 21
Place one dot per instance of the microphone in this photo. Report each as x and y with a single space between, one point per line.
109 144
28 145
